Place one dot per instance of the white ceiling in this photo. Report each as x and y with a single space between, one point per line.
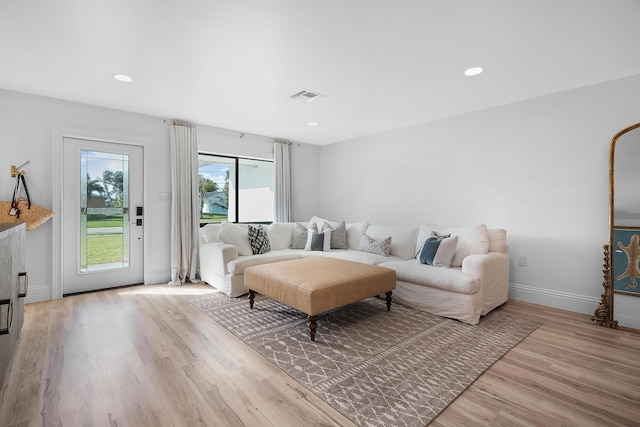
382 64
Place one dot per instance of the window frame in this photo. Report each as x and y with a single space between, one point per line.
236 186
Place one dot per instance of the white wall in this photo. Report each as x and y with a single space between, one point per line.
30 126
537 168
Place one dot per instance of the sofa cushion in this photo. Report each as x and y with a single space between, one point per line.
380 247
355 230
300 234
450 279
471 240
361 257
258 240
497 240
338 235
235 235
438 251
209 233
403 239
280 235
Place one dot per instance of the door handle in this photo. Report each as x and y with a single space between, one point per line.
9 303
26 283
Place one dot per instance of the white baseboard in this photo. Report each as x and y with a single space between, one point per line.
38 294
571 302
157 277
552 298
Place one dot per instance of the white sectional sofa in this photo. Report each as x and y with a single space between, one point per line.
476 282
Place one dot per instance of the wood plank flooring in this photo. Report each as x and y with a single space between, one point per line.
144 356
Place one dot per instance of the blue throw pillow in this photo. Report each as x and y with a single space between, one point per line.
438 251
318 241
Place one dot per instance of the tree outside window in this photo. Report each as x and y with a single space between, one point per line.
235 189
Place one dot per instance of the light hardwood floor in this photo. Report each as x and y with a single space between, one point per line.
144 356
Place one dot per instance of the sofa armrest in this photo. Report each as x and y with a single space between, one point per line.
216 256
493 270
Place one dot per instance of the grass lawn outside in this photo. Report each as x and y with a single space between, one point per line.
107 247
209 218
104 248
104 223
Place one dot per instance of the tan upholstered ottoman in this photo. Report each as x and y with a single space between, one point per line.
315 285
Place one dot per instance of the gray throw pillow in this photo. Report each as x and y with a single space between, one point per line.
371 245
338 235
317 241
300 233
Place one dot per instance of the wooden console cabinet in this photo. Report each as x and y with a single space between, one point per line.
13 289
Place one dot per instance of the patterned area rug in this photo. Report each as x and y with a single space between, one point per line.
378 368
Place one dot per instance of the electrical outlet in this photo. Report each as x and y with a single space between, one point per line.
522 260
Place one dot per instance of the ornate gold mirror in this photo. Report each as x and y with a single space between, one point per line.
622 254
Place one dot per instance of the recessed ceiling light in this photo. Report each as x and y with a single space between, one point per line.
123 78
473 71
313 124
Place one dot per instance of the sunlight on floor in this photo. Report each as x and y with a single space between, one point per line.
169 290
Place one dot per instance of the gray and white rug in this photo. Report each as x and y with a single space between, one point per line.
378 368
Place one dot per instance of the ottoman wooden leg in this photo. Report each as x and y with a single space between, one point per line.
252 296
388 294
312 326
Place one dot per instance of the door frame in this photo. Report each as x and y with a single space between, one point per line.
57 190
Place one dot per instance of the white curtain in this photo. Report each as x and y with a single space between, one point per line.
282 160
184 204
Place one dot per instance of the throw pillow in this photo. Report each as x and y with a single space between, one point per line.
236 235
338 235
300 233
438 251
471 240
355 230
371 245
280 235
318 241
259 240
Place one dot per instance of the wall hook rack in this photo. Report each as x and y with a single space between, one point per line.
16 170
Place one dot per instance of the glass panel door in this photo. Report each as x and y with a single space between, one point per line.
102 215
104 211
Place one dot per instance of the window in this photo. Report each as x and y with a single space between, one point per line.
235 189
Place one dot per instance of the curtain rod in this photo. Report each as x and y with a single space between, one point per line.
180 123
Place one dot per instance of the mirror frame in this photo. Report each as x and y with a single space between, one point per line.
603 315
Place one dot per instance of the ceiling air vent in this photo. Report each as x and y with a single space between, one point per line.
306 96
